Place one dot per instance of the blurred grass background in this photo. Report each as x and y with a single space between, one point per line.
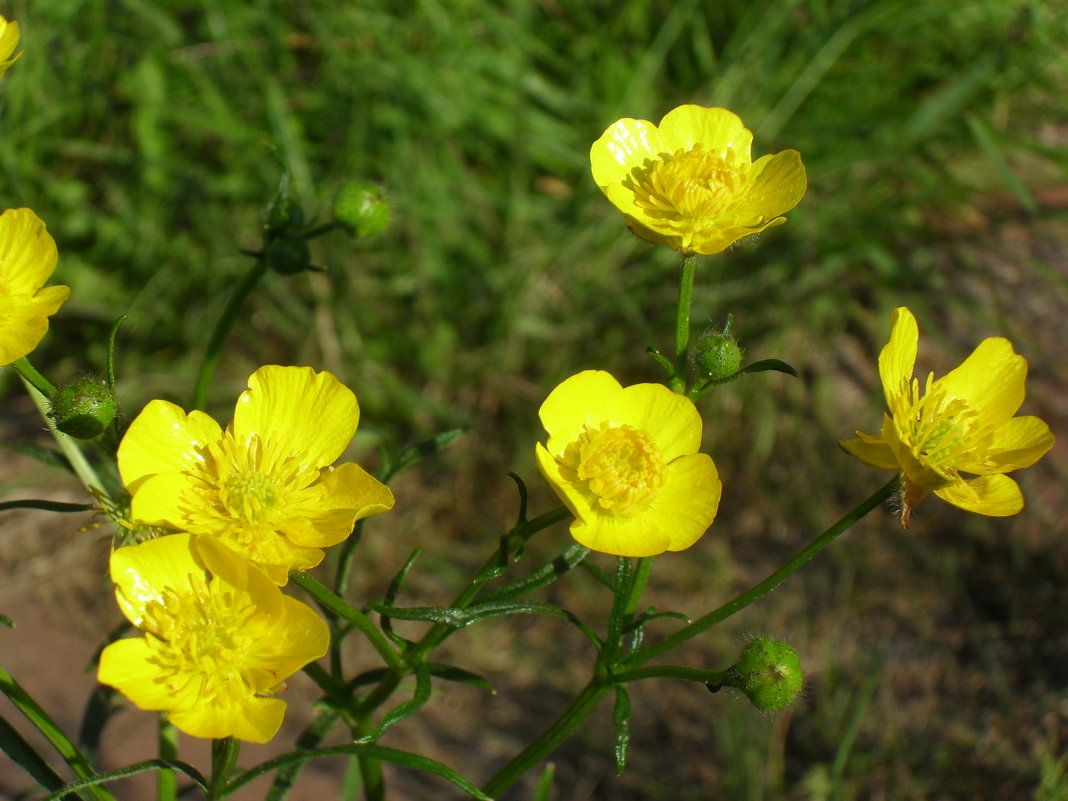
150 136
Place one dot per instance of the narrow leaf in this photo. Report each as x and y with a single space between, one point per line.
23 755
768 364
6 621
560 566
48 506
394 756
130 770
545 783
453 673
406 709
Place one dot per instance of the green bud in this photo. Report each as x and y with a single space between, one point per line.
361 209
285 215
84 409
768 672
718 356
288 254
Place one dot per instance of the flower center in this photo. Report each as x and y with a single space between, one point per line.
942 433
199 638
621 467
243 491
690 189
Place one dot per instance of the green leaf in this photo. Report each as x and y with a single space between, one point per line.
391 596
394 756
23 754
545 783
560 566
414 454
452 673
130 770
768 364
48 506
6 621
406 709
46 455
46 726
621 719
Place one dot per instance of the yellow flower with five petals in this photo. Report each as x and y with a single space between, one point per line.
219 638
625 462
962 423
264 486
691 182
27 259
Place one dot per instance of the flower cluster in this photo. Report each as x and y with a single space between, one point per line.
249 504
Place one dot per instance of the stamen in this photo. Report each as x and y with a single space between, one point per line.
620 465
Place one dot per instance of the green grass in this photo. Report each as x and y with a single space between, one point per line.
150 137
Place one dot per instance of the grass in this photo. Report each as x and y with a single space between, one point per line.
151 139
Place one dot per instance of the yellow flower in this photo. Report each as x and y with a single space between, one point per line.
962 423
27 259
213 647
691 183
263 486
9 40
625 462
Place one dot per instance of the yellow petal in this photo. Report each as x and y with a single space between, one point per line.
689 499
717 130
670 419
990 381
898 358
312 413
27 252
9 40
230 568
1017 443
164 438
128 666
141 572
157 501
24 320
870 450
994 496
256 720
776 184
571 496
625 145
622 536
350 493
300 636
585 399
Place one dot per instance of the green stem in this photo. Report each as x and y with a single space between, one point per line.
557 732
768 584
716 677
222 328
637 585
223 758
167 782
34 378
682 324
336 605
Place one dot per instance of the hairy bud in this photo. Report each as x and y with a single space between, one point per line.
84 409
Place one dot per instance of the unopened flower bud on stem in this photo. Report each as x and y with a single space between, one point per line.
361 209
83 409
768 672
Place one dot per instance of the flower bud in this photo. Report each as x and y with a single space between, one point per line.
361 209
768 672
718 355
284 215
288 255
84 409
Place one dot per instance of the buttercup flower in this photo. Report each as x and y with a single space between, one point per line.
691 183
961 423
27 259
625 462
9 40
214 645
262 487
